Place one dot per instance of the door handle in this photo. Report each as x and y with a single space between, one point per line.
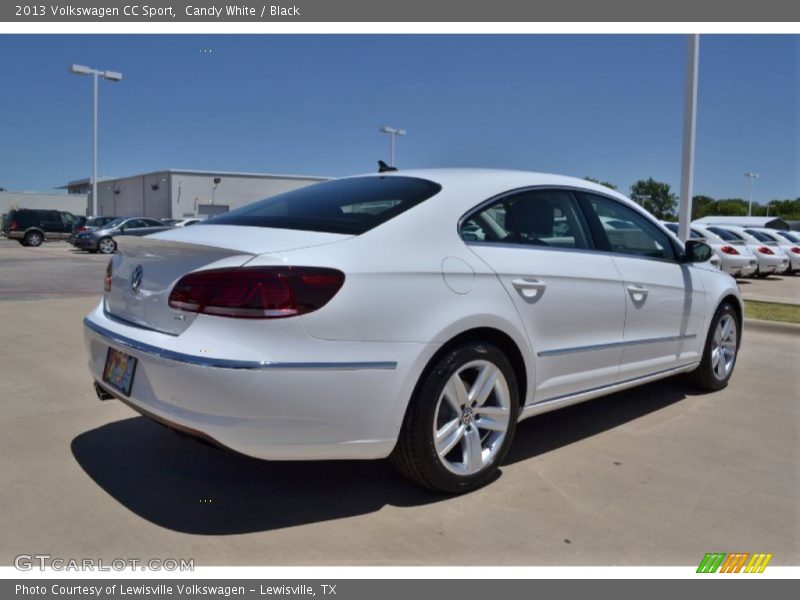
638 293
529 288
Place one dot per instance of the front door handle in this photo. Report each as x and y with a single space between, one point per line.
529 288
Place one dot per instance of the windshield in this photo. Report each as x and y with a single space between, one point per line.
350 206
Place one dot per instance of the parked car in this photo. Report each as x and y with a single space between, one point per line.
734 260
315 325
88 223
34 226
771 259
187 222
790 248
103 239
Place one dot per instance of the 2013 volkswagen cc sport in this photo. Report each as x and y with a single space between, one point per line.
414 315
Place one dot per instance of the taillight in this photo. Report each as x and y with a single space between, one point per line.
107 278
82 228
13 226
795 250
729 250
257 292
765 250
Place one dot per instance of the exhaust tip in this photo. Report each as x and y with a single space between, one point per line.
102 393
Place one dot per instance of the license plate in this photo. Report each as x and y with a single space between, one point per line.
119 371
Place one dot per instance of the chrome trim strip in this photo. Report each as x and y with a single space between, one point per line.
590 348
224 363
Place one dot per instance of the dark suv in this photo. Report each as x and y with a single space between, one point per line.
32 226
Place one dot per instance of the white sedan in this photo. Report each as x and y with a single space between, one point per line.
416 315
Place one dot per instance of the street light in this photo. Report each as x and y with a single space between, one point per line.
752 177
394 132
96 74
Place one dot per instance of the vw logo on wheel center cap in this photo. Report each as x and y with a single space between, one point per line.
136 278
466 416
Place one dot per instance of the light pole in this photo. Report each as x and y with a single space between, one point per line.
689 128
752 177
394 132
96 74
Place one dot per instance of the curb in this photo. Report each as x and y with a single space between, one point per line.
771 326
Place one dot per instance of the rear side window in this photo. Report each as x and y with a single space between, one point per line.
760 235
349 206
535 218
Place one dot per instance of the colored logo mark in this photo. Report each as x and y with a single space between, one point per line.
743 562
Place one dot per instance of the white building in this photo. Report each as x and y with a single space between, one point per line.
177 193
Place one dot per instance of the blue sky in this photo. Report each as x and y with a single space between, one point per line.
603 105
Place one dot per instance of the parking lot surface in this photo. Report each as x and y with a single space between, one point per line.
657 475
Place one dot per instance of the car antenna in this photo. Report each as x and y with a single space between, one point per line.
384 168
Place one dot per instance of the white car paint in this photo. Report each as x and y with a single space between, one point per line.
335 383
790 248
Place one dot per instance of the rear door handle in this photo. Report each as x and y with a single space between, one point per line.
638 292
529 288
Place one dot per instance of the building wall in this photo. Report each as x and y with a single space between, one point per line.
135 196
73 203
190 191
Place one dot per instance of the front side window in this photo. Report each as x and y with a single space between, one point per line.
349 206
628 232
548 218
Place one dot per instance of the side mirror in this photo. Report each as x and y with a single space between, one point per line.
697 252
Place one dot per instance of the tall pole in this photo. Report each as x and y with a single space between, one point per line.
689 128
752 176
392 148
393 132
94 145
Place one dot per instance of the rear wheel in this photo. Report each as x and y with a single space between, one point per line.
107 245
33 238
720 352
461 421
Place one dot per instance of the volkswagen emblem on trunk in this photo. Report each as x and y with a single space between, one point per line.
136 278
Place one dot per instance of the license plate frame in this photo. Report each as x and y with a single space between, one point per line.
120 370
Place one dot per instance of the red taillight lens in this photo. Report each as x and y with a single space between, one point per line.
729 250
13 226
765 250
82 228
107 278
795 250
257 292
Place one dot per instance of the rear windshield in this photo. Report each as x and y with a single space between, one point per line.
349 206
789 236
726 235
760 235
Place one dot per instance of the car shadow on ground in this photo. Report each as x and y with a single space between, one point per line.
186 486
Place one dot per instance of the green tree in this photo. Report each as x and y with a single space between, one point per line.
610 186
655 197
702 206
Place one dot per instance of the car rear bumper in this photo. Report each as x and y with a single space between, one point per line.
330 407
739 266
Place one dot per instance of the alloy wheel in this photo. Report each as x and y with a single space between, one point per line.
723 347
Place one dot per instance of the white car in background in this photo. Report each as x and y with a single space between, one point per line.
771 259
791 248
736 260
714 260
416 315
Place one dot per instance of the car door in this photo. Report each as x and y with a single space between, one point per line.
67 221
665 298
569 296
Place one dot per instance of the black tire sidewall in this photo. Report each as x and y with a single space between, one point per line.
427 399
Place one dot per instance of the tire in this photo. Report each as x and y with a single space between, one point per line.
33 239
456 411
721 347
107 245
22 243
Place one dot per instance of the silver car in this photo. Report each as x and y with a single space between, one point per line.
102 240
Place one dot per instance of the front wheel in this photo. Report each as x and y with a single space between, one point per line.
461 420
720 351
107 245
